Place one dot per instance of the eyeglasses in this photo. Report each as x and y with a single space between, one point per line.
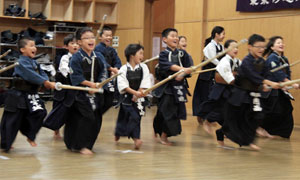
260 47
87 38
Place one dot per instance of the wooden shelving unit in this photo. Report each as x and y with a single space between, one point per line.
62 10
84 11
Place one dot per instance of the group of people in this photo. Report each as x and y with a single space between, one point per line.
244 97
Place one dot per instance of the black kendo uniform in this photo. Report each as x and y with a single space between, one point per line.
129 118
212 109
172 95
277 103
111 94
62 101
243 111
203 85
84 123
24 110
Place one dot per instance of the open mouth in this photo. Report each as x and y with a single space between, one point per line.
91 45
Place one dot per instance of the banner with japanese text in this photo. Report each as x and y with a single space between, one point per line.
265 5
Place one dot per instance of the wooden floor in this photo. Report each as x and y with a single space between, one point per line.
195 155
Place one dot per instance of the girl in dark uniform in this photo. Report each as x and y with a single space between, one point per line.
206 80
277 103
134 79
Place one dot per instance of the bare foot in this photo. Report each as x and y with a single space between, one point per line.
32 143
57 135
137 144
207 127
263 133
164 139
255 147
200 120
86 151
221 143
117 138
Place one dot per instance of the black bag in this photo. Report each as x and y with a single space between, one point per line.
9 37
14 10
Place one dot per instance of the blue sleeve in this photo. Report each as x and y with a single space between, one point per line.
77 74
164 63
191 60
250 73
43 73
98 48
26 71
186 61
117 60
274 62
103 67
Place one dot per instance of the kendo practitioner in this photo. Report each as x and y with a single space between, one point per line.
111 56
172 95
243 110
206 80
277 103
63 99
212 109
84 123
24 110
134 79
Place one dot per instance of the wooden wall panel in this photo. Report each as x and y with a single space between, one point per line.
163 15
131 14
225 10
188 11
128 37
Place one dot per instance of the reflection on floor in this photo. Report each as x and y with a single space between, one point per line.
195 155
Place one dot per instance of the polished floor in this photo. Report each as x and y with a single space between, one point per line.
194 155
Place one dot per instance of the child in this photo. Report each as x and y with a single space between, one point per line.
63 99
211 110
172 95
243 109
182 44
84 123
112 58
277 103
135 78
24 110
206 80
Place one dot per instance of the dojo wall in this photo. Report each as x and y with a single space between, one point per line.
130 27
196 19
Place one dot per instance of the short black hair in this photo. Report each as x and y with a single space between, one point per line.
23 42
69 38
81 31
228 42
255 38
131 50
167 31
270 44
105 28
